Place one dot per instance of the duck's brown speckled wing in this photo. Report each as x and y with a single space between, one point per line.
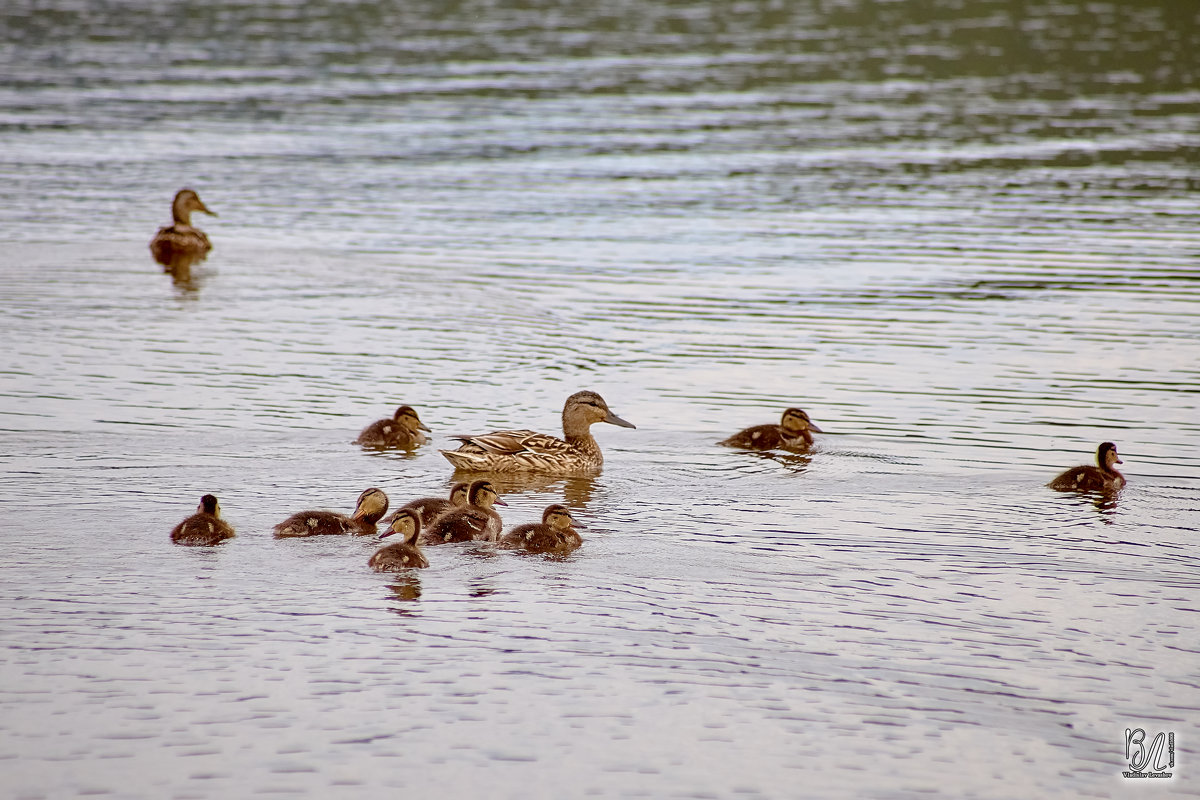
760 437
513 451
201 529
396 557
176 245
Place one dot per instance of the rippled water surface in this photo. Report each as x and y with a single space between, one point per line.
964 237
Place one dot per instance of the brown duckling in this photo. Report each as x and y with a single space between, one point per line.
794 432
205 527
476 521
370 508
430 508
405 554
554 534
1101 478
179 245
403 430
528 451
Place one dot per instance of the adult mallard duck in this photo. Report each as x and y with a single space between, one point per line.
554 534
405 554
403 430
1101 478
430 508
476 521
528 451
205 527
179 245
370 508
794 433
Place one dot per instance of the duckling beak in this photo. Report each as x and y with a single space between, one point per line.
615 420
423 426
201 207
577 524
499 502
812 426
388 533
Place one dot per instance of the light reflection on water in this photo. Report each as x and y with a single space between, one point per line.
965 246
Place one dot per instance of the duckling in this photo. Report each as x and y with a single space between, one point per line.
403 430
370 508
794 432
404 554
205 527
1102 478
430 508
554 534
179 245
476 521
528 451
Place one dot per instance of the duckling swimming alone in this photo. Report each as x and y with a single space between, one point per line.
794 432
1102 478
405 554
179 245
554 534
476 521
403 430
430 508
370 508
528 451
205 527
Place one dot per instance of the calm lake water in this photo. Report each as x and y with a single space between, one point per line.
965 237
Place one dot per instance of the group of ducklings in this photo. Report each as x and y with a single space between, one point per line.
468 514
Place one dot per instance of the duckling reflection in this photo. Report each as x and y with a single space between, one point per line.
476 521
370 508
179 245
577 491
1101 478
403 431
405 554
554 534
577 453
430 508
205 527
793 433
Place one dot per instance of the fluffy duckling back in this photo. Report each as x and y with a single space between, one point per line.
1101 478
205 527
402 431
554 534
476 521
405 554
370 508
794 433
430 508
179 245
576 454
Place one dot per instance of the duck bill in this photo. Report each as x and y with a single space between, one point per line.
423 426
387 533
812 426
615 420
204 208
499 502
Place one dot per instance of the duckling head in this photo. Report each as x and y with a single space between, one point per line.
588 407
407 417
459 492
796 420
1106 455
209 505
372 504
406 523
484 495
559 517
187 201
